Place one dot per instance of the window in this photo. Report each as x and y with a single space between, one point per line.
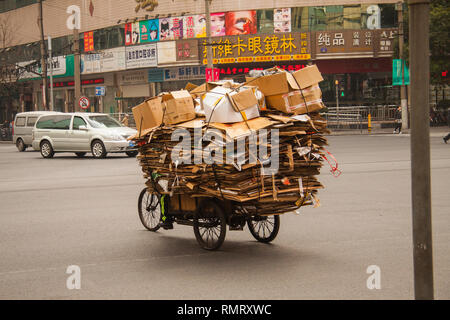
20 122
108 38
265 21
54 122
299 19
31 121
103 122
77 122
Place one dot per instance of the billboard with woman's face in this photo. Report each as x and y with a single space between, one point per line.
218 24
240 22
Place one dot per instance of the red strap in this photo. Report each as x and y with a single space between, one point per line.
334 168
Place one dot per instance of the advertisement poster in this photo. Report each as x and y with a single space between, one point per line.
149 30
240 22
282 20
217 24
141 56
171 28
195 26
132 35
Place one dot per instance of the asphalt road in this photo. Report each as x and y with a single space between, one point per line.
69 211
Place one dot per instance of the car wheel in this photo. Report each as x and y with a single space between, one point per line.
131 154
98 149
80 154
47 150
20 145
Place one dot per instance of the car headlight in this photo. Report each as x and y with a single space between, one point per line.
115 137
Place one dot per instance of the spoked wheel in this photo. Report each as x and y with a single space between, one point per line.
210 225
264 228
149 208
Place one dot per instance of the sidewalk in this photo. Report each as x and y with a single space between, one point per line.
434 132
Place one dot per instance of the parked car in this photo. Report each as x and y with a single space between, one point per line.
80 133
23 127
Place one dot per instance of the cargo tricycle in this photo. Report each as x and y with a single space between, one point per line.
208 216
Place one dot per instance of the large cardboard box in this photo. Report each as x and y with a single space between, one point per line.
299 101
307 76
148 114
178 106
225 105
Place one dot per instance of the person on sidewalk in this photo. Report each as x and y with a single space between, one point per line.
398 120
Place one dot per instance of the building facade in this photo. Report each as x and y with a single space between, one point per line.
130 51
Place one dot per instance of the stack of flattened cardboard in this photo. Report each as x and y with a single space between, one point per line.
231 166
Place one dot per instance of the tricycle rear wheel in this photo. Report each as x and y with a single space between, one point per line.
210 225
264 228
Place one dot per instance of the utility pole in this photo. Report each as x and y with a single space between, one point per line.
43 59
336 82
49 38
209 56
403 98
76 66
420 148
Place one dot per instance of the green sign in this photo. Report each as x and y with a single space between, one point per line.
397 73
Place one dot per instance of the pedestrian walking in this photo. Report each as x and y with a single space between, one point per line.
125 120
398 120
447 137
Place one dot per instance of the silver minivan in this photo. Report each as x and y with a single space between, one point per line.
23 127
80 133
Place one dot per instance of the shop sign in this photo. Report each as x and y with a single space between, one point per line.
184 73
398 78
104 61
187 50
244 70
133 77
259 48
141 56
354 41
88 41
63 84
62 67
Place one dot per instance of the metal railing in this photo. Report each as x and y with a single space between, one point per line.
356 117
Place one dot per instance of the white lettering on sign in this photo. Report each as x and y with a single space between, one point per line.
74 20
374 18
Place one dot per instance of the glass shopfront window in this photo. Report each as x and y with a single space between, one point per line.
359 89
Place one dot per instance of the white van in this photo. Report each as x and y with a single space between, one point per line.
82 132
23 127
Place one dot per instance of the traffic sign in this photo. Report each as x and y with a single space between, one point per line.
100 91
84 103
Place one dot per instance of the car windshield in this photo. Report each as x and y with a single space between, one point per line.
103 122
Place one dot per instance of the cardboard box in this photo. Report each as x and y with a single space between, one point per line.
148 114
178 106
278 83
202 89
294 102
223 105
307 76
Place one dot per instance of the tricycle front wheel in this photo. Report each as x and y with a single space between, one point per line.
264 228
149 209
210 225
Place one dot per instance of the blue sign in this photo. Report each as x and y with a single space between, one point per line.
100 91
